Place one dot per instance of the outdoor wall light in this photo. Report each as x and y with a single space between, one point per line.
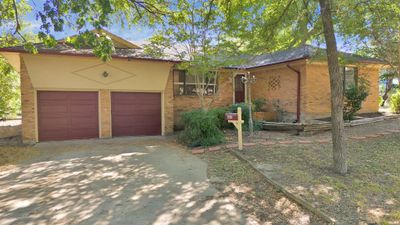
105 74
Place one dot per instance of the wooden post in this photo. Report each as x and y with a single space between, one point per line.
238 124
239 128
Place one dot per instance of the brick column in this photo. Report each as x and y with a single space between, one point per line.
105 113
169 105
27 106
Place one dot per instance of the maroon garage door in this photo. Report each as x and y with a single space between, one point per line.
135 114
66 115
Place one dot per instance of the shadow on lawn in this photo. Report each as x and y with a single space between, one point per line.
368 194
122 188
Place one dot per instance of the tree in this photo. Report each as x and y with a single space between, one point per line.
194 33
82 16
9 91
287 23
336 81
374 27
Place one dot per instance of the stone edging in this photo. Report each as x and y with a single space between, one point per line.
291 196
302 142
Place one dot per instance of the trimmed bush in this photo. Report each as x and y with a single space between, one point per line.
259 104
354 97
219 113
257 125
245 113
395 102
201 128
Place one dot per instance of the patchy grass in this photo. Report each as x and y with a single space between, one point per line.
250 192
370 193
14 154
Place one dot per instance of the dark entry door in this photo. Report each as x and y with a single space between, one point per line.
239 89
67 115
135 114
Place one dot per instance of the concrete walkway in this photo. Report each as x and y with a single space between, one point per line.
116 181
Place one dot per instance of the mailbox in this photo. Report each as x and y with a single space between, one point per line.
231 116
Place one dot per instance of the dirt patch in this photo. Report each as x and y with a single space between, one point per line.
369 194
10 155
252 194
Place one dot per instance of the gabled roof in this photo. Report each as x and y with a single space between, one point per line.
301 52
123 49
118 41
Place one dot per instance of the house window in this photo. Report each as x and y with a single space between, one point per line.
186 85
350 76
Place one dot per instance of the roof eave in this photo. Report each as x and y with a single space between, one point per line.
89 55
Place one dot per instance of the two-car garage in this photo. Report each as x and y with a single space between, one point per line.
67 115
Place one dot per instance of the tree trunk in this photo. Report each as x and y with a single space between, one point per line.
388 88
336 83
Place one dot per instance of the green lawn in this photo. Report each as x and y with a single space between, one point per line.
370 193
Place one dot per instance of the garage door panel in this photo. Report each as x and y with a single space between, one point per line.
136 114
53 107
53 123
67 115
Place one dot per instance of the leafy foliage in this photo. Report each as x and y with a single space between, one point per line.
355 95
195 33
259 104
201 128
395 102
219 113
9 91
81 15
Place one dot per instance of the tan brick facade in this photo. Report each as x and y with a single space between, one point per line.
278 86
28 106
318 102
169 106
222 99
105 113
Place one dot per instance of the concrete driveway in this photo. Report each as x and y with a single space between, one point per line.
115 181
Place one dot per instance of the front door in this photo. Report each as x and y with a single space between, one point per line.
239 89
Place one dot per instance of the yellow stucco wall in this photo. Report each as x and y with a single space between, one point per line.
67 72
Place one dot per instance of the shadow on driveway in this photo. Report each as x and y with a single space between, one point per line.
115 181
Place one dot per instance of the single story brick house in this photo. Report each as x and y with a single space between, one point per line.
71 94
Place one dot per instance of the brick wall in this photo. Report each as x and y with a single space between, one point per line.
318 90
187 103
27 106
278 86
169 106
105 113
370 73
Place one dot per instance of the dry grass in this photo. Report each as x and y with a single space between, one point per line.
251 193
15 154
370 193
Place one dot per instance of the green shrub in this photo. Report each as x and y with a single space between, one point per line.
259 104
257 125
380 100
395 102
354 97
245 113
219 113
201 129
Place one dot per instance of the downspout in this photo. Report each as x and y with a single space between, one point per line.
298 92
